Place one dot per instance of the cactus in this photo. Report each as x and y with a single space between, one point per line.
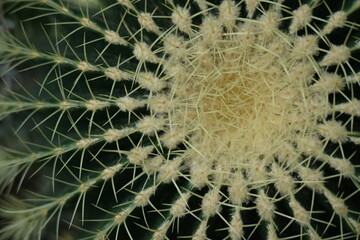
201 119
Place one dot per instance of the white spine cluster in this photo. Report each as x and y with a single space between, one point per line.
151 82
265 206
181 18
128 104
179 207
211 203
142 52
336 55
251 6
336 20
300 214
147 22
86 67
142 198
302 17
139 154
236 226
116 74
95 105
110 172
150 125
113 135
114 38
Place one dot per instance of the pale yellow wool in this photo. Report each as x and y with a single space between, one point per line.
336 55
152 165
85 143
271 234
138 155
228 13
265 206
211 203
236 226
160 233
127 104
85 67
126 3
329 83
200 233
302 16
333 131
179 207
86 186
94 105
251 6
305 46
337 204
114 38
352 107
143 198
312 178
173 137
300 214
342 165
161 103
86 22
116 74
151 82
338 19
181 18
121 216
143 53
283 181
146 21
202 4
110 172
113 135
174 45
65 105
170 170
150 125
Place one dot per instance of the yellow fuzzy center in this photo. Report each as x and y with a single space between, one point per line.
239 98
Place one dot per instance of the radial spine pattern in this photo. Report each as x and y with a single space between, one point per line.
181 119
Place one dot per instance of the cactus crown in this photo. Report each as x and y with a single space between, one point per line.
181 119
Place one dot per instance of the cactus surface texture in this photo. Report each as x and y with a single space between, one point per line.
169 119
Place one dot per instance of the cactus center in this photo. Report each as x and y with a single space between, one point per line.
239 98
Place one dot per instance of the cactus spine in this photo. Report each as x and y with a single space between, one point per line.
181 119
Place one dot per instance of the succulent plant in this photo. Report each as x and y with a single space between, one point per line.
170 119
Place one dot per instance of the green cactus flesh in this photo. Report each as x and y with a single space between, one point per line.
204 119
